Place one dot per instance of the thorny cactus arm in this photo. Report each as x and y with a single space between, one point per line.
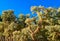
37 10
39 23
40 16
28 22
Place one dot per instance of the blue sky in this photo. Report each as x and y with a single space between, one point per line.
23 6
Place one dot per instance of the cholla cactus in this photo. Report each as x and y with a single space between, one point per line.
1 27
53 33
16 36
12 26
28 21
58 10
4 16
6 33
8 16
38 11
24 28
